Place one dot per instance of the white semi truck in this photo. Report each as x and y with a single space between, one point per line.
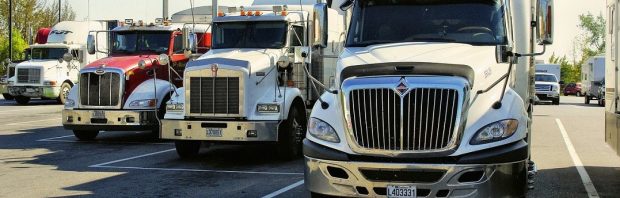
253 85
53 67
432 99
612 74
593 80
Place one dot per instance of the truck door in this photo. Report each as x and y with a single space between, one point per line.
178 60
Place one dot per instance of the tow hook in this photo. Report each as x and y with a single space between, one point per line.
532 170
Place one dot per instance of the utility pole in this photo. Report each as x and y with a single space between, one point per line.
59 9
214 9
10 30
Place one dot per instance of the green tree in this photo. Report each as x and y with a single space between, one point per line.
594 34
19 45
570 73
30 15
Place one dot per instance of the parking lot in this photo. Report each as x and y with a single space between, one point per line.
39 158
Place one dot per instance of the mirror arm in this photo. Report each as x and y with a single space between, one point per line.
532 54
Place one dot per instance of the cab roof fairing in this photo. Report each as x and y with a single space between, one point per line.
173 27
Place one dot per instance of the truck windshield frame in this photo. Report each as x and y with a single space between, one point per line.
474 22
250 34
546 78
47 53
140 42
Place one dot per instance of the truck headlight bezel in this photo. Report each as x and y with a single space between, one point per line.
147 103
321 130
175 106
496 131
50 83
268 108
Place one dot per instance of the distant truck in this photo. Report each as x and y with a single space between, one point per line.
129 89
52 67
554 69
593 79
548 87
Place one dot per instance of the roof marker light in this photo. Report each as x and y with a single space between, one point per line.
129 21
220 14
284 10
258 13
159 21
242 12
250 13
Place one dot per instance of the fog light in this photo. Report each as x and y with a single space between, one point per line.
130 119
177 132
252 133
70 119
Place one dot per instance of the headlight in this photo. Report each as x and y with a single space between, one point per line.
69 103
555 88
495 132
10 82
268 108
143 103
323 131
175 106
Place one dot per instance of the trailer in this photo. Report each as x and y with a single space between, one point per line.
431 99
55 61
593 80
612 95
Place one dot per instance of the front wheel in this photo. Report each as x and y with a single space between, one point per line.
8 96
291 135
85 135
187 148
22 100
64 93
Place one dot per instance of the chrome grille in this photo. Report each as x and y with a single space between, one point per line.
543 87
29 75
422 120
214 95
100 90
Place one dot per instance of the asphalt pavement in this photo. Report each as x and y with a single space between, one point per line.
38 158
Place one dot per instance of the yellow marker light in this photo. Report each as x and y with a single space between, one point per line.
220 14
258 13
250 13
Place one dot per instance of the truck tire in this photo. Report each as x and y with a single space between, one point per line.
85 135
187 148
64 93
22 100
587 98
601 102
8 96
291 135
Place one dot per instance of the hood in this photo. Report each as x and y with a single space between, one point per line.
124 63
39 63
252 59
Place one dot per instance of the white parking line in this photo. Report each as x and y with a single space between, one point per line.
54 138
585 178
107 165
283 190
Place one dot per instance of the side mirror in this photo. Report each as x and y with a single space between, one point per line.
501 53
189 42
320 25
346 5
544 14
90 44
67 57
561 82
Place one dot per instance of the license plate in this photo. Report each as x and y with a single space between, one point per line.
401 191
549 95
30 90
214 132
98 114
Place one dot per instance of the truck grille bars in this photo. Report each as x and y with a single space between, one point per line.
403 117
29 75
214 95
100 89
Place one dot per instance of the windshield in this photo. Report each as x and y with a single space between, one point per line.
130 42
263 34
48 53
545 78
476 22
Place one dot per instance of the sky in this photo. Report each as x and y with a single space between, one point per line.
566 15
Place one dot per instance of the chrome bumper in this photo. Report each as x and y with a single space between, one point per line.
238 131
34 91
112 120
497 180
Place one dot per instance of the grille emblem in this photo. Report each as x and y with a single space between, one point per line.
214 69
99 71
402 88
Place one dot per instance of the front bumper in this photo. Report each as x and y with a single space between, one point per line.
500 172
547 95
34 91
112 120
237 131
